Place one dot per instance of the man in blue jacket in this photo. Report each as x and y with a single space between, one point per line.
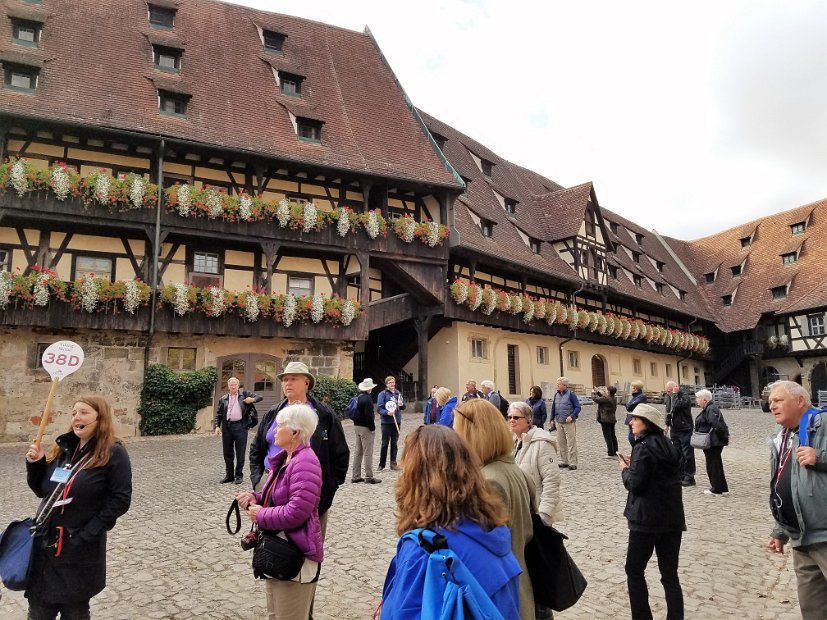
565 407
390 407
798 492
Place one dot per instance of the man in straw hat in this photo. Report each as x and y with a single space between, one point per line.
364 427
328 441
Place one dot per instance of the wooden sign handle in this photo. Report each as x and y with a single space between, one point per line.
44 421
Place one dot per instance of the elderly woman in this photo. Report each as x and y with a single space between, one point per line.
445 403
289 503
654 510
711 420
637 397
442 488
482 426
539 413
534 452
89 470
607 417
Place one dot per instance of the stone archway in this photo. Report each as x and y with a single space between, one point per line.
598 371
818 381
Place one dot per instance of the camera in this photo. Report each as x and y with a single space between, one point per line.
250 540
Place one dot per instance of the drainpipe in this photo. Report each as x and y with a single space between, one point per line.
688 355
574 335
155 251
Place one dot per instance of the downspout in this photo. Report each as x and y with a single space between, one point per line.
574 335
688 355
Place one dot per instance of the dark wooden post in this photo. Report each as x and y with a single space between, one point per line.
422 325
271 254
364 279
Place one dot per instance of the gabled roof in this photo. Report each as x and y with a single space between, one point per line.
562 212
98 71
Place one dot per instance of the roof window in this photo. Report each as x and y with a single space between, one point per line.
440 140
166 58
487 228
22 78
798 228
727 300
273 41
309 130
779 292
636 256
290 84
746 242
173 104
660 265
638 238
25 32
709 278
161 17
736 271
534 244
613 271
789 258
638 280
486 166
613 227
510 206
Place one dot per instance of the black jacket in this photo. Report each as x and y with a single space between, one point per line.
223 402
606 408
328 442
653 479
99 497
365 415
679 411
710 419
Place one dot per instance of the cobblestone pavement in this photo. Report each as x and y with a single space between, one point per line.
170 556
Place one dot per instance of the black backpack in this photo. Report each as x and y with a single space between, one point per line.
503 404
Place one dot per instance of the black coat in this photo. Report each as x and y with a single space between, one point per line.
653 479
679 411
328 442
223 403
365 416
606 408
99 497
710 419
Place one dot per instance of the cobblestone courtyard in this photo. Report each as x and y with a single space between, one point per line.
170 556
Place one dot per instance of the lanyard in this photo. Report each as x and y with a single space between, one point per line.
80 465
786 457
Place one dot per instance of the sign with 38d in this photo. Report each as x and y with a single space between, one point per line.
62 358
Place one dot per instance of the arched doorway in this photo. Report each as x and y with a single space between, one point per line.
598 371
818 381
256 372
769 375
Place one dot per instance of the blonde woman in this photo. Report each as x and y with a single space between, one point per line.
481 425
535 451
446 403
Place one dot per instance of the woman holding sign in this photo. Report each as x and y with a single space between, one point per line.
85 481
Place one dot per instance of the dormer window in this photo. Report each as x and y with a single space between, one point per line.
789 258
659 287
440 140
613 271
291 84
779 292
166 58
487 228
681 295
736 271
638 238
273 41
535 245
613 227
638 280
173 104
20 77
727 299
798 228
487 167
309 130
510 206
636 256
660 266
746 242
161 17
25 32
709 277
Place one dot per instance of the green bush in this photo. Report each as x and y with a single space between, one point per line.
170 400
334 391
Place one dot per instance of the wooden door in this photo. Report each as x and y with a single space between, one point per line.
598 371
255 372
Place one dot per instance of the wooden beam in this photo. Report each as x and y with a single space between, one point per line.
167 259
28 252
67 238
364 278
131 256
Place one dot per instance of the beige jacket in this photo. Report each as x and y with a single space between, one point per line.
536 458
514 488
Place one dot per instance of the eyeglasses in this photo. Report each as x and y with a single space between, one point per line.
516 417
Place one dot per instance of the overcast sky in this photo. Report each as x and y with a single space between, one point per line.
689 118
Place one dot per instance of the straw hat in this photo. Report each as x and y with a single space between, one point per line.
648 412
367 385
298 368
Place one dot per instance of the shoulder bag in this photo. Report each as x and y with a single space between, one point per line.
701 441
16 553
555 578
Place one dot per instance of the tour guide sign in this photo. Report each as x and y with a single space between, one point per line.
60 359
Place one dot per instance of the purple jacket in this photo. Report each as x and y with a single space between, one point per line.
294 501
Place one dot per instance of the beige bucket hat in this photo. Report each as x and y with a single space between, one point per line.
298 368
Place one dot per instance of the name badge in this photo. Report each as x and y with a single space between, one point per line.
61 475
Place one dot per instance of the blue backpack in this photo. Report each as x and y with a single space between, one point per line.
352 410
450 591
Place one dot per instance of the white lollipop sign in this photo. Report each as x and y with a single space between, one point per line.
60 359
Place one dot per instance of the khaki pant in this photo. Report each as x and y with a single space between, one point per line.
289 600
363 452
810 564
567 442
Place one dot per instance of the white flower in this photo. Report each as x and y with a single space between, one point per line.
61 186
317 309
182 302
540 309
88 293
372 226
283 213
41 290
184 198
251 310
214 207
433 234
245 208
131 297
136 192
289 312
516 304
18 178
477 297
491 304
216 307
343 225
408 229
460 292
5 289
348 312
528 315
102 187
310 217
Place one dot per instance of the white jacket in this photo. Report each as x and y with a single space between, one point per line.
536 458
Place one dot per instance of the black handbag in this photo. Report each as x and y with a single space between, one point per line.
555 578
252 416
275 557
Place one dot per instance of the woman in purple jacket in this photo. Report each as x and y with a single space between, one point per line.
292 507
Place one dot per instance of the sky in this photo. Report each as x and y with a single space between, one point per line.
689 118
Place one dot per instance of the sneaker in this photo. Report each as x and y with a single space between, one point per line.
563 466
355 480
372 480
572 467
711 492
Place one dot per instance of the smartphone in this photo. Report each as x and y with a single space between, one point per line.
623 459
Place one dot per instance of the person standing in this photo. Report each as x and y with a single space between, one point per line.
446 402
711 420
539 413
89 470
679 424
364 427
431 408
232 419
607 417
637 397
489 394
471 391
565 407
654 510
390 415
798 492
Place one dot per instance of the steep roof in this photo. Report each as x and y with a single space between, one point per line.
98 70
